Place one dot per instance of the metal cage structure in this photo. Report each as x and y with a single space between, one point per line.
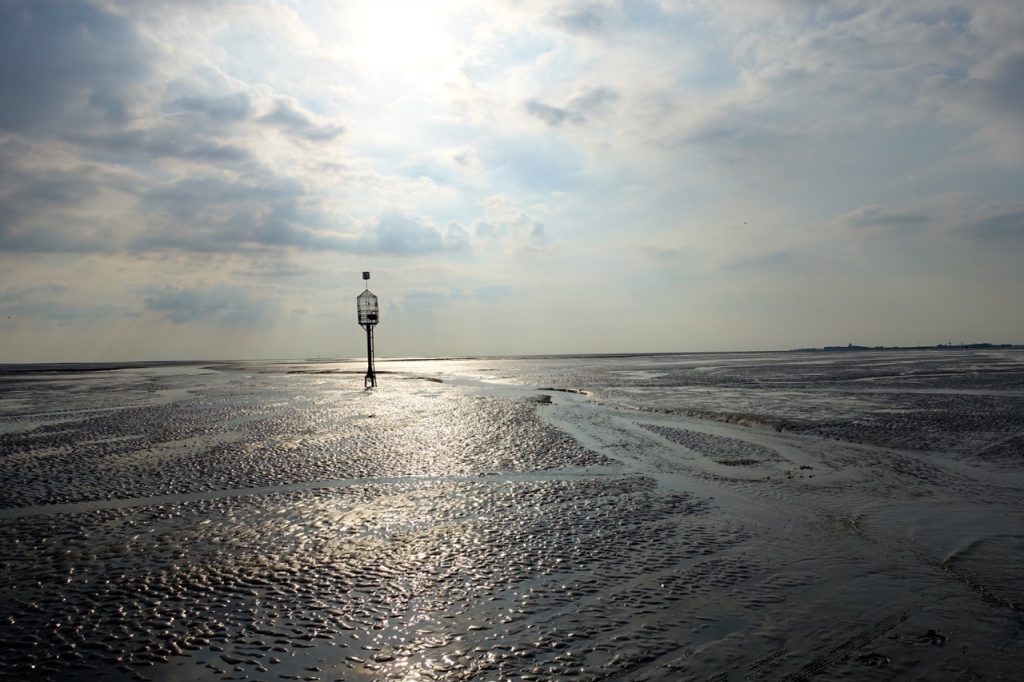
369 311
369 315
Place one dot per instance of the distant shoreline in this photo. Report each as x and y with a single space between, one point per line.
69 367
941 346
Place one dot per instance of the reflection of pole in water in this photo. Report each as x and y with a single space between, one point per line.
369 314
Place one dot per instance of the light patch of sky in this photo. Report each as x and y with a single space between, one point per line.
539 163
505 51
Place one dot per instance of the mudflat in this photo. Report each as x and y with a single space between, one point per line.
853 516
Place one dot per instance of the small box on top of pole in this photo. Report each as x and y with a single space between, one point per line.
369 315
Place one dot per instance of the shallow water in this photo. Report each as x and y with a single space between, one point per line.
752 516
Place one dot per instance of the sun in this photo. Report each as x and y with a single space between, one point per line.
403 39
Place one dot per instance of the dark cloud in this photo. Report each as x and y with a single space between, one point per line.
537 233
79 81
553 116
658 253
783 260
585 19
492 292
986 95
224 108
57 311
489 231
593 101
24 190
47 302
43 209
188 197
274 269
30 293
532 228
226 304
402 235
67 63
538 163
289 117
167 142
521 227
578 110
265 212
456 237
736 137
1006 85
220 214
49 242
423 299
1000 227
37 206
53 237
876 216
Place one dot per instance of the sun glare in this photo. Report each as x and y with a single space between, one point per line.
403 39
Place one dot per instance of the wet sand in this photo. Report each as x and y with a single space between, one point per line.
751 516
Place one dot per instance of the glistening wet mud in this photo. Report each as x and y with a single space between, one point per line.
270 522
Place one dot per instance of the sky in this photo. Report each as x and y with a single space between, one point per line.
193 180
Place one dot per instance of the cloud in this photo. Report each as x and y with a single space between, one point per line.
876 216
220 213
120 139
162 143
43 204
486 231
492 292
30 293
540 163
784 260
530 228
402 235
24 191
456 237
232 107
983 97
585 19
661 254
509 228
1005 81
279 142
1004 225
221 303
422 299
68 64
274 269
578 110
289 117
807 88
736 136
52 302
553 116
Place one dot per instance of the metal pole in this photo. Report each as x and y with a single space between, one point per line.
371 377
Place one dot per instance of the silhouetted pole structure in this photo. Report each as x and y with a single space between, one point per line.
369 314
